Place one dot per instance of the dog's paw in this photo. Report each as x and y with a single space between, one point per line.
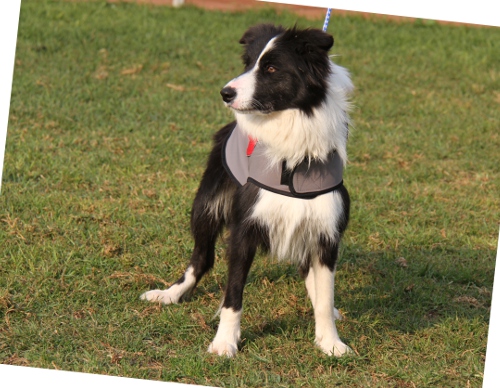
176 292
163 296
223 348
333 347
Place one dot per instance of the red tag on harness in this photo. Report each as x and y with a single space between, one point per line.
251 145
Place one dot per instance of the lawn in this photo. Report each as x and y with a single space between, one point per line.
112 113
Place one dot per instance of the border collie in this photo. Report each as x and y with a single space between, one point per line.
274 177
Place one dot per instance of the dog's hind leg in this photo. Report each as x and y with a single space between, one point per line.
311 290
208 216
206 225
205 228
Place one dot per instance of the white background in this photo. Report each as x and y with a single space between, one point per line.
478 12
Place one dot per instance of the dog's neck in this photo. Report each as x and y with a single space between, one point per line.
293 136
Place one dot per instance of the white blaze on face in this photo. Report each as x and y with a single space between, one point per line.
245 84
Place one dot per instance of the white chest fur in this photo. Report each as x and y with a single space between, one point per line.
295 225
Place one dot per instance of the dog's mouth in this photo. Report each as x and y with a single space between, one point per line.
252 108
245 110
253 111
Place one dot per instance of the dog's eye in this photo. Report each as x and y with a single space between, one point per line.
270 69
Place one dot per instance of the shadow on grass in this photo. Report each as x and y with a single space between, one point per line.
406 290
392 291
411 289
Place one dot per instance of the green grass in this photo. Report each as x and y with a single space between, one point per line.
112 113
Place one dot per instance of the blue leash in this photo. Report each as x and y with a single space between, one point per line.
327 19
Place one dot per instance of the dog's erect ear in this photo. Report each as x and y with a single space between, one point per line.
322 39
308 41
314 38
249 35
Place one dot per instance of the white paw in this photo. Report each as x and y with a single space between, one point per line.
164 296
175 292
333 347
223 348
226 340
337 315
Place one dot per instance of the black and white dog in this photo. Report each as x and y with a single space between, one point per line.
274 177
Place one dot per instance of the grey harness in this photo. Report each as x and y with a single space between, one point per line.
307 180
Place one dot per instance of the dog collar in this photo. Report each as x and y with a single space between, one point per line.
245 161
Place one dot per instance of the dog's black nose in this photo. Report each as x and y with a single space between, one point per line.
228 94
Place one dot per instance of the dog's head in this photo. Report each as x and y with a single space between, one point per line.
284 69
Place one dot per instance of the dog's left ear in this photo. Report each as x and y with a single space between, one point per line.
319 39
310 41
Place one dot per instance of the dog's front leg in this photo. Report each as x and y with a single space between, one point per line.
241 254
321 291
226 340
